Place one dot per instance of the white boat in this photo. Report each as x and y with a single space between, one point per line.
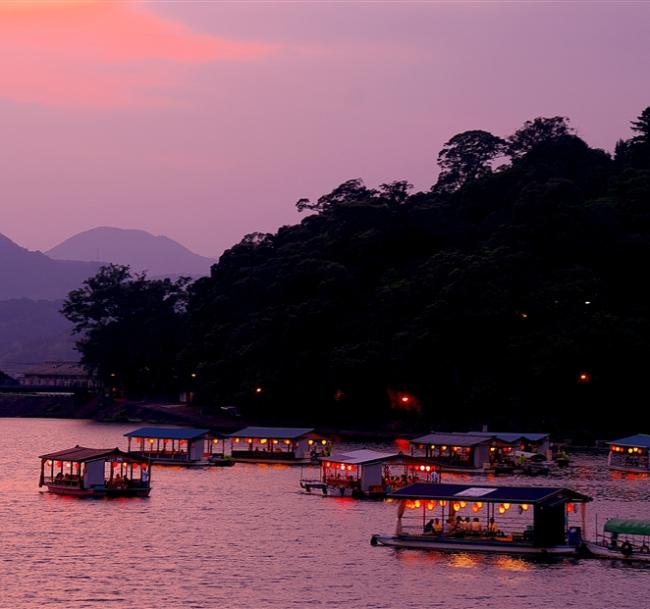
366 473
622 539
186 447
494 519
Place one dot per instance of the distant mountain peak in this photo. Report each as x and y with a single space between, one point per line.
139 249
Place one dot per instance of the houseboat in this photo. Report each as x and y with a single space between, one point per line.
187 447
95 472
501 519
622 539
509 451
369 473
454 452
288 445
630 454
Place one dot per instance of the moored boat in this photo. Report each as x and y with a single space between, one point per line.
285 445
95 472
622 539
495 519
187 447
368 473
630 454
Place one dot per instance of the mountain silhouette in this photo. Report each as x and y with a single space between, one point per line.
26 274
138 249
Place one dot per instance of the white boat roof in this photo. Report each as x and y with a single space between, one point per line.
361 456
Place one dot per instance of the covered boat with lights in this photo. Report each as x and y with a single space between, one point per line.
501 519
369 473
630 454
95 472
288 445
187 447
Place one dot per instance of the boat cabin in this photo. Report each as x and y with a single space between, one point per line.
454 451
630 454
175 446
95 472
278 445
369 473
505 444
523 520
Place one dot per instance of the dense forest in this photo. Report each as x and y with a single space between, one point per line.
512 293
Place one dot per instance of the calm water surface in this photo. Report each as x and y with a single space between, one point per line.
245 537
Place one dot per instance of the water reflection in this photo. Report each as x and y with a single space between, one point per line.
246 537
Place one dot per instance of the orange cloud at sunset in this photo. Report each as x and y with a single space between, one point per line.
100 53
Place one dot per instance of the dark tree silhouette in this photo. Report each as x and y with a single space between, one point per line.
467 157
538 131
352 191
130 329
641 126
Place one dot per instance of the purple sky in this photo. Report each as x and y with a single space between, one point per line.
206 120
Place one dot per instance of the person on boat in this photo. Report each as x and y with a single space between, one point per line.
437 526
492 527
428 527
475 526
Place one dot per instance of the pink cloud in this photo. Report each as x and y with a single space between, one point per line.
101 53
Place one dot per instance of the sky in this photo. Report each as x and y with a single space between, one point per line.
207 120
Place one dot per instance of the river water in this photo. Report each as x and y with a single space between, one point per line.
247 537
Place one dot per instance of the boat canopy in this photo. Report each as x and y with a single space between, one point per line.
641 440
490 494
169 433
279 433
631 527
452 439
510 437
368 457
80 454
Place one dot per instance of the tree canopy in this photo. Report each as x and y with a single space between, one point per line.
130 329
512 296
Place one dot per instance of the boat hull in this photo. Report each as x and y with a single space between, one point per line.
73 491
629 469
600 551
448 545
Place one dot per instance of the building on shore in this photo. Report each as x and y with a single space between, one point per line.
66 375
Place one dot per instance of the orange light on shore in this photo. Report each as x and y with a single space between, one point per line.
584 378
258 390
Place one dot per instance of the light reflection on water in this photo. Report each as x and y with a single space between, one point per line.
246 537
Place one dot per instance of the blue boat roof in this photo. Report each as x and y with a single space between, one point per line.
168 433
489 494
640 439
510 437
282 433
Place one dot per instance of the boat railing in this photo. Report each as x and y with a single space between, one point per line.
453 533
62 480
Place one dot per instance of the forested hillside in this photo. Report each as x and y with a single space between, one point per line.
512 293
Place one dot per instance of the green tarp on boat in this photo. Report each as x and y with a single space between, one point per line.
631 527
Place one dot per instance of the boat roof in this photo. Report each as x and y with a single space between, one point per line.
451 439
510 437
168 433
489 494
289 433
640 439
627 525
365 456
80 454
